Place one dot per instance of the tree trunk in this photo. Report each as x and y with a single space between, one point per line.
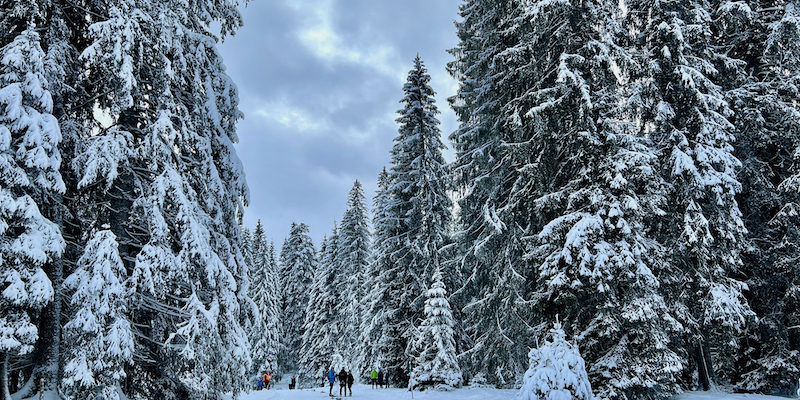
49 343
5 394
704 367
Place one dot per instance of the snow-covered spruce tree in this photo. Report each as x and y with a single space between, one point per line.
271 312
322 336
98 337
354 252
298 263
419 212
759 73
436 363
557 371
374 338
263 332
594 187
169 185
684 111
29 174
491 208
62 69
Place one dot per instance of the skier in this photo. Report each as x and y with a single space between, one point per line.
350 380
374 377
331 379
380 378
293 383
260 383
267 379
386 379
342 381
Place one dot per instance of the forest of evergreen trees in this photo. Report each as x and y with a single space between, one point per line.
625 190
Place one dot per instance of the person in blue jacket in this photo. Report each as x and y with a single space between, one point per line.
331 379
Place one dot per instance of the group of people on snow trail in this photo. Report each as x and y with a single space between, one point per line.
379 378
345 378
265 381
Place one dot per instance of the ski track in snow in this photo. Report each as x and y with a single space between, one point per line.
468 393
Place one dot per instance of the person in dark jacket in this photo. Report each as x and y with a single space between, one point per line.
331 379
350 380
380 378
342 381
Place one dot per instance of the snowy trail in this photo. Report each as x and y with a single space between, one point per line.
366 392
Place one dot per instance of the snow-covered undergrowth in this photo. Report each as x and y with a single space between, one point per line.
466 393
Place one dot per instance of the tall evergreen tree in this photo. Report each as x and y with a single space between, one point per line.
322 336
298 263
683 109
264 332
354 252
593 190
759 76
169 187
419 214
490 214
374 336
29 175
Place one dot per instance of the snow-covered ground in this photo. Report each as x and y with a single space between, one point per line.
469 393
367 392
724 396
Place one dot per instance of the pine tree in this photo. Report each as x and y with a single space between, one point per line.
263 332
758 74
490 214
99 336
354 252
419 214
170 187
298 263
593 188
683 109
436 362
322 334
374 336
557 371
271 312
29 174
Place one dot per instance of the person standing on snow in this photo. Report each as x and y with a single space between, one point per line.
350 380
342 381
331 379
380 378
374 377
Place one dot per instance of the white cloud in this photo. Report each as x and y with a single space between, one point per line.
318 35
291 117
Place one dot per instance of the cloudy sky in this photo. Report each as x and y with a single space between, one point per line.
320 82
